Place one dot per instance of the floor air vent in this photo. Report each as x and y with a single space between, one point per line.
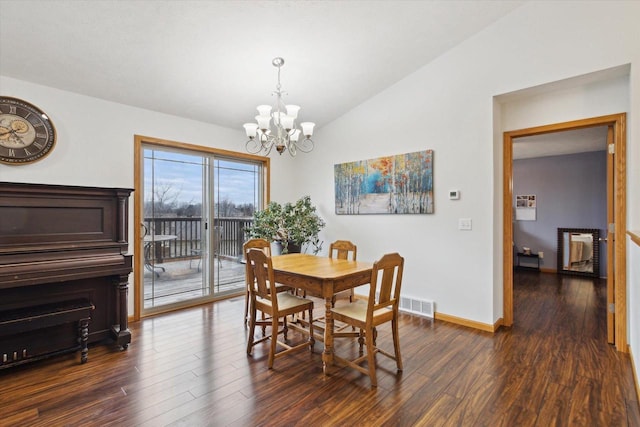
417 306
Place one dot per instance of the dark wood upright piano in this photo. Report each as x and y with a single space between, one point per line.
63 253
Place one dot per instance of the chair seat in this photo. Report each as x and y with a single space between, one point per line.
358 311
287 302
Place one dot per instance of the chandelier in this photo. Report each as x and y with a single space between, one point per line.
285 134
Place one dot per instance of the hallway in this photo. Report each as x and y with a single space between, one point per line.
564 318
573 308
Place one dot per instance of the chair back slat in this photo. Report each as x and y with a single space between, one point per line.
386 280
261 244
257 244
262 271
342 249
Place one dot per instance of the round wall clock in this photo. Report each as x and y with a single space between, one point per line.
26 133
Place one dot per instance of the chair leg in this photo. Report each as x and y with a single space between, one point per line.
246 307
285 328
371 357
252 328
396 342
274 340
361 341
312 339
304 295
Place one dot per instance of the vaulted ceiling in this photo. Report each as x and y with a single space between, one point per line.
211 60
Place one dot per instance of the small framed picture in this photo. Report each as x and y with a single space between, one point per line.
526 207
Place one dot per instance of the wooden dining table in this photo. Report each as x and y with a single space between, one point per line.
321 277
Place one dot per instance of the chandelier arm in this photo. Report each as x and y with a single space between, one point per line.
253 146
268 143
306 145
268 149
292 148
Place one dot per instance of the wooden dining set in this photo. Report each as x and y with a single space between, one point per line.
278 297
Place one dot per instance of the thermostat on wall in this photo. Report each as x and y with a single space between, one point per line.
454 195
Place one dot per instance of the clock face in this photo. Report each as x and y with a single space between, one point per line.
26 133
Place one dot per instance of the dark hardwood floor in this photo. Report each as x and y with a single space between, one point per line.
189 368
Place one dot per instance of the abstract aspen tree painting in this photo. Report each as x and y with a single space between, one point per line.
400 184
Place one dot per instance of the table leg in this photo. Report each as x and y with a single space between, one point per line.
327 355
147 259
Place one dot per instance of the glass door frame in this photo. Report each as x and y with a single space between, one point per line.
140 143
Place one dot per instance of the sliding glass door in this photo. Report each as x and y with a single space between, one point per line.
196 207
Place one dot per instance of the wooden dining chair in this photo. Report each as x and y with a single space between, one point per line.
265 247
217 240
278 305
381 307
343 249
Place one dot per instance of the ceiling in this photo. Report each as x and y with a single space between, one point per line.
560 143
211 60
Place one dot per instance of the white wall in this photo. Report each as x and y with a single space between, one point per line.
95 139
448 106
590 95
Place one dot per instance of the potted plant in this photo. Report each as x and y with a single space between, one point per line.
292 225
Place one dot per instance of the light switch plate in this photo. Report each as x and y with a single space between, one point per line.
464 223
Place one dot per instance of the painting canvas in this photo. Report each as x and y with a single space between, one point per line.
400 184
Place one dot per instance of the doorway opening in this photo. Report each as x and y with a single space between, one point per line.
616 210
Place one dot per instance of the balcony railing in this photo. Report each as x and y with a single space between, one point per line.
188 231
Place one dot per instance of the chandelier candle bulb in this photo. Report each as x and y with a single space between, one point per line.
307 128
264 110
263 122
286 135
251 129
286 121
292 110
